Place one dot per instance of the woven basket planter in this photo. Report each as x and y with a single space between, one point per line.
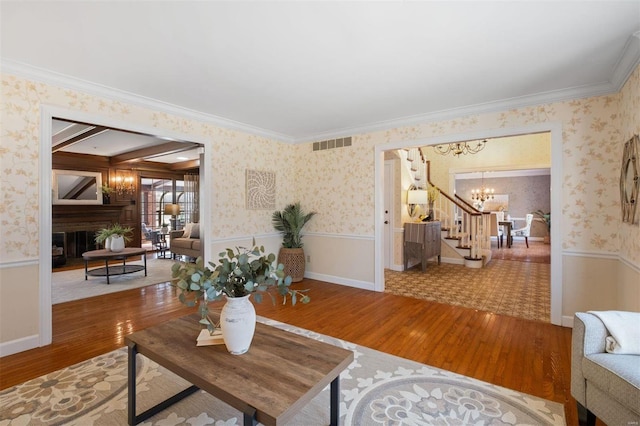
293 261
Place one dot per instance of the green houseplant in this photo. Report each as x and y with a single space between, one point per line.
105 236
546 218
106 193
290 222
237 274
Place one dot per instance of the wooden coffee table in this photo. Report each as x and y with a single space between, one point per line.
277 377
108 255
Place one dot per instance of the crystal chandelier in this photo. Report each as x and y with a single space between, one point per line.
458 148
479 196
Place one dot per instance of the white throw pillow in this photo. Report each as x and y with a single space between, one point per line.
187 230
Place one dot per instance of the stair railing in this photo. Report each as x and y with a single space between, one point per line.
462 220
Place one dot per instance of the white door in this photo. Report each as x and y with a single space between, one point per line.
387 235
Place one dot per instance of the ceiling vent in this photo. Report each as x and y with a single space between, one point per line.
332 143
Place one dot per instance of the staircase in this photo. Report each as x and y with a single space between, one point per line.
465 229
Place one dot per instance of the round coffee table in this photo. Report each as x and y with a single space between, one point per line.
108 255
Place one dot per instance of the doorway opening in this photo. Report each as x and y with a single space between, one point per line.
553 129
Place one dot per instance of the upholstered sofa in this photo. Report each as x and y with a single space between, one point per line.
186 241
605 385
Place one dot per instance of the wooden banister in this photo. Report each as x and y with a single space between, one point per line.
470 210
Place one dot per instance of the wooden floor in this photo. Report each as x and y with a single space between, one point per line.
524 355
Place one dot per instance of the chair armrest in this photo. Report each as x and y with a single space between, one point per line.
588 337
176 234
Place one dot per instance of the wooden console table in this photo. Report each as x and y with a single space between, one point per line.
108 255
256 383
422 240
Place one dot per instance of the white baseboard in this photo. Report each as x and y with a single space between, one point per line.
19 345
567 321
339 280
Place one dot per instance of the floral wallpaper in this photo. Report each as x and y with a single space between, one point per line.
341 184
336 183
232 152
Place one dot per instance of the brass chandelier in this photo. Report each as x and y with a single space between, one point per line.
458 148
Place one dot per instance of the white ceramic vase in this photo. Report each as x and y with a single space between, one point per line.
117 243
238 323
107 244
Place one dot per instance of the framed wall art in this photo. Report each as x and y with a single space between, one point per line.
260 190
629 181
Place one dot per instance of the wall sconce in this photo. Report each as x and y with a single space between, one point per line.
414 197
173 210
125 185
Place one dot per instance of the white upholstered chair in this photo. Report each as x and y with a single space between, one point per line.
526 231
496 230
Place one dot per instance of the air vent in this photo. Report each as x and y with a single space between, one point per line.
332 143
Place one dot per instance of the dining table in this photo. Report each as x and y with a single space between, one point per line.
508 225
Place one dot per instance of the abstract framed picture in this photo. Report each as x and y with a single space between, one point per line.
629 181
260 190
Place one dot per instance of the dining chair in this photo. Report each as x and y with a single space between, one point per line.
496 230
525 231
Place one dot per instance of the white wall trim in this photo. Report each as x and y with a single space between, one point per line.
238 238
347 236
19 263
47 113
364 285
567 321
61 80
628 61
592 254
19 345
629 264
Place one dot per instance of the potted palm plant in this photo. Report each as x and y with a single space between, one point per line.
237 275
290 222
546 218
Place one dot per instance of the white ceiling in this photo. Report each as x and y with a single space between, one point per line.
312 70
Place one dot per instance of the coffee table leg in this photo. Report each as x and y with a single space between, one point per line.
249 419
131 374
335 401
144 256
106 265
85 269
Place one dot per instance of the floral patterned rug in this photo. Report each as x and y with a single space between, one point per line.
376 389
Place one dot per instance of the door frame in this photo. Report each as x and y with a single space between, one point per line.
554 128
47 114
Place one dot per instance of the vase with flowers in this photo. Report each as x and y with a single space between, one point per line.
236 276
432 195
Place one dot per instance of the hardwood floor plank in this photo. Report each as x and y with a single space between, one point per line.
524 355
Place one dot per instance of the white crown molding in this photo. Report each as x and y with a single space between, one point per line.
628 61
598 89
56 79
626 64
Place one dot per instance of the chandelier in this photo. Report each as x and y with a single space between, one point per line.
458 148
479 196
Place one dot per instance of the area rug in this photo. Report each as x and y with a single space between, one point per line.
376 389
517 289
71 285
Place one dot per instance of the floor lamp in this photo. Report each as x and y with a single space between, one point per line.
173 210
